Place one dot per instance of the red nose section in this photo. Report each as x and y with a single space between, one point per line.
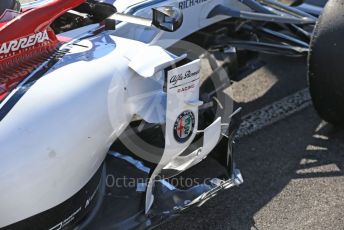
27 41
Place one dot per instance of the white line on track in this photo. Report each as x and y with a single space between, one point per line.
274 112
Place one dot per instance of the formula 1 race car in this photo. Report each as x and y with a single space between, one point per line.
109 121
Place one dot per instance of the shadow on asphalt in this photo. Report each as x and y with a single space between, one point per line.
297 148
289 73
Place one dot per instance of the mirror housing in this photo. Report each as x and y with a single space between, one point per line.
167 18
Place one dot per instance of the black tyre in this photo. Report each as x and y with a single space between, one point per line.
326 64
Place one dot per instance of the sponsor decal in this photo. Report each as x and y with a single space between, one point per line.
66 221
5 108
89 200
189 3
186 88
184 126
24 42
176 79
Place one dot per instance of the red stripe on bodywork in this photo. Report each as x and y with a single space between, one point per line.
37 19
15 65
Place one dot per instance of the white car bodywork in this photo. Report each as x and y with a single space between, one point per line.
89 97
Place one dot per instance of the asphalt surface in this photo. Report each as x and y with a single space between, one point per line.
293 179
292 169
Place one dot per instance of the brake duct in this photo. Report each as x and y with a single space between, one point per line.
182 88
176 105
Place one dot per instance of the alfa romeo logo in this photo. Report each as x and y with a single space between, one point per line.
184 126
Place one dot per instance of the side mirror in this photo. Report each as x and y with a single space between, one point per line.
167 18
